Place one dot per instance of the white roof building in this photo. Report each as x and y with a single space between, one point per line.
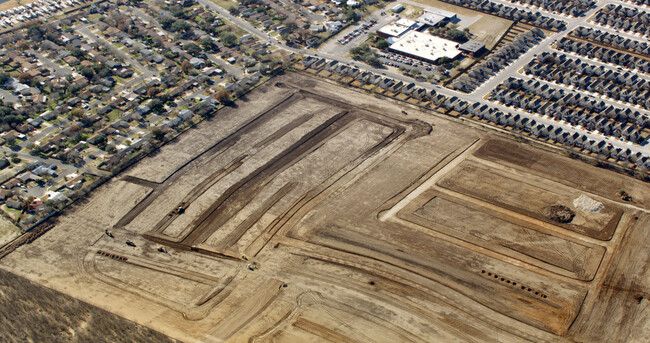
432 16
392 30
442 13
353 3
396 28
425 46
430 19
406 22
397 8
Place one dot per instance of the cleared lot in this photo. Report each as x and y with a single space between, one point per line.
321 213
511 192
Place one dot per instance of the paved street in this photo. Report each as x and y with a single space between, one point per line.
7 97
334 51
227 67
146 72
58 70
51 161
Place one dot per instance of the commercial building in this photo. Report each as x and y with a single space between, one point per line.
430 19
433 16
397 28
425 47
445 14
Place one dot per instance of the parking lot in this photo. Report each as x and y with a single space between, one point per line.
358 31
401 61
355 34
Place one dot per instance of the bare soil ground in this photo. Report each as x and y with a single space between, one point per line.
565 170
8 231
489 29
510 191
462 219
321 213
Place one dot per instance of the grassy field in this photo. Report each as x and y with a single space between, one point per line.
8 231
489 29
225 3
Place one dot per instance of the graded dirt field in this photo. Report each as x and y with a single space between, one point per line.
8 231
321 213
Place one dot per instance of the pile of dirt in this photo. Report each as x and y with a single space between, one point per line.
587 204
560 214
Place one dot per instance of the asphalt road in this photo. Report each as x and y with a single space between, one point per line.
145 72
227 67
58 70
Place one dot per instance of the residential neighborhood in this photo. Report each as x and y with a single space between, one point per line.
91 92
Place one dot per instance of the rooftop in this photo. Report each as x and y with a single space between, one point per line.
397 28
393 30
405 22
430 18
439 12
472 46
425 46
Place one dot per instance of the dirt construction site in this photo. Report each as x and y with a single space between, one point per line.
320 213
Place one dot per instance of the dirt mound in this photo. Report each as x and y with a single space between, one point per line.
587 204
560 214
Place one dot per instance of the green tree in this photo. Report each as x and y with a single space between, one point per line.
351 15
4 78
35 33
167 22
100 140
110 148
76 52
180 26
87 72
229 40
73 88
382 44
457 35
11 140
373 61
358 51
443 60
157 133
233 10
156 105
207 43
192 48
